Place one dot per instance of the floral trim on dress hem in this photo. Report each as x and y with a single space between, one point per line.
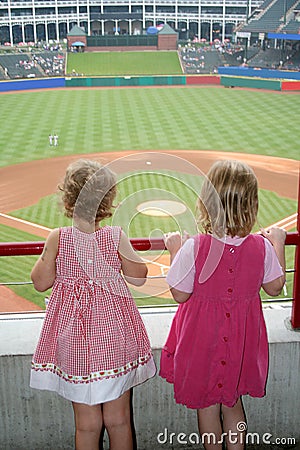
94 376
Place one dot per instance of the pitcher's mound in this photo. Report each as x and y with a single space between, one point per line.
161 208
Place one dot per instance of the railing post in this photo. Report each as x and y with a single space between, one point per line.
295 318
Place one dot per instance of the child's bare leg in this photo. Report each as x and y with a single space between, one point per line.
88 423
234 424
210 427
117 421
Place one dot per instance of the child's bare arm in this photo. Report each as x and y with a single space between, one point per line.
277 238
44 270
174 242
179 296
134 269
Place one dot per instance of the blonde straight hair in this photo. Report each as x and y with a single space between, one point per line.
228 201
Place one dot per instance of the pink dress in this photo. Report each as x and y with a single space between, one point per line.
93 345
217 348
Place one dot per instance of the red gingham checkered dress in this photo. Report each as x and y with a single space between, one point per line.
93 345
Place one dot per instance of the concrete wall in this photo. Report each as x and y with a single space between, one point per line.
36 420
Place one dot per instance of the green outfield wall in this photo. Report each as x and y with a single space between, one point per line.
255 83
161 80
167 80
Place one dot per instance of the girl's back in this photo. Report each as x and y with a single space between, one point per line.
93 346
238 276
217 348
90 256
93 331
222 351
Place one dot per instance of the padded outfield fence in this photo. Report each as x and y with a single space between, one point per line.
142 81
249 77
227 78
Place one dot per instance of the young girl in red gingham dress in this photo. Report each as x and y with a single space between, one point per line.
93 346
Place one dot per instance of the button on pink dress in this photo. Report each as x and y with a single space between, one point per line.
217 348
93 345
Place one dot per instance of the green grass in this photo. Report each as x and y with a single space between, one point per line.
89 121
48 212
138 188
124 63
18 268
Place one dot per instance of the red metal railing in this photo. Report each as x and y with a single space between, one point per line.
36 248
139 244
143 244
295 318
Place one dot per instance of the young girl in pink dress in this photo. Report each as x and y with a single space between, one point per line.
217 348
93 347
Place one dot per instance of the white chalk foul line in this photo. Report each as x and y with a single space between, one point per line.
287 222
25 222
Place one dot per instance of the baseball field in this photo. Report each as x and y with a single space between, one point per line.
194 125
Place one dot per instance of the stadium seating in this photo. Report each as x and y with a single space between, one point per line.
235 58
293 62
52 63
271 17
200 60
269 58
292 27
44 64
19 66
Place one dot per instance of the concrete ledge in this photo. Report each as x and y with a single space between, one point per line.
39 419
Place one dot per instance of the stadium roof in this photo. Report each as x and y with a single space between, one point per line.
286 37
167 30
78 44
76 31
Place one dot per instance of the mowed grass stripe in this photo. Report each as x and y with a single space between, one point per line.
124 63
138 187
18 269
148 119
145 119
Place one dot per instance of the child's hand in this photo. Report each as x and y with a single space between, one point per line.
174 241
185 237
275 235
277 238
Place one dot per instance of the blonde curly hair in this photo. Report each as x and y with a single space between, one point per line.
88 190
228 201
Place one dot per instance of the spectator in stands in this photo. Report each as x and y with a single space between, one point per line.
93 346
217 348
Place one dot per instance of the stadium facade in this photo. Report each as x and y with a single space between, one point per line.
46 20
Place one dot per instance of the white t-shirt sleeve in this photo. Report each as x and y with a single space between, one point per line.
273 268
181 274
